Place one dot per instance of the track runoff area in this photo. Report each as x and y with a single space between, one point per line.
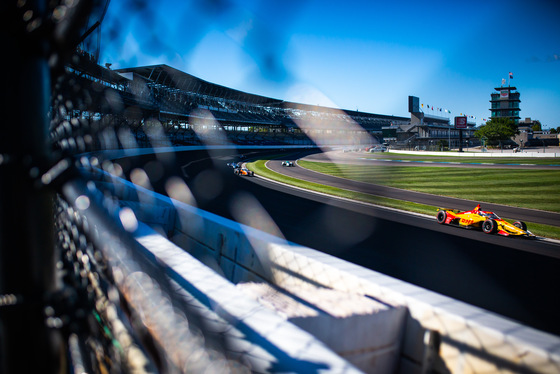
492 180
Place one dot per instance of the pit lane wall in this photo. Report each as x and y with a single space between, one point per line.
492 154
295 306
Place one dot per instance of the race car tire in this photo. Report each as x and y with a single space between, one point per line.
520 225
441 216
489 226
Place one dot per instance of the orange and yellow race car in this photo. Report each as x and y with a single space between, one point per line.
244 171
488 222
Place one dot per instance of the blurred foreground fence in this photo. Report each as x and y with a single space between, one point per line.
88 285
74 294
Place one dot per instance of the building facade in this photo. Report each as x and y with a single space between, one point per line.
530 137
505 103
427 131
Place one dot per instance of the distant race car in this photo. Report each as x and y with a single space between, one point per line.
233 165
244 171
376 148
288 163
488 222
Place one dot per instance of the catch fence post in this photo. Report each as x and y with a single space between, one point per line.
27 249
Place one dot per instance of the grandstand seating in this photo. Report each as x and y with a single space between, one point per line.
248 119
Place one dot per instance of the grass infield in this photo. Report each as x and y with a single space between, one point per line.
525 188
435 181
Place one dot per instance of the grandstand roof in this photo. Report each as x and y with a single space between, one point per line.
436 119
354 113
169 77
84 63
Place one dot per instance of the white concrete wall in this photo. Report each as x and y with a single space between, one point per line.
256 336
493 154
466 339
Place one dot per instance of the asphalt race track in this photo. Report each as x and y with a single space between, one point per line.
529 215
513 277
378 159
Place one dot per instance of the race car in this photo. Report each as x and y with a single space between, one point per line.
288 163
233 165
488 222
376 148
244 171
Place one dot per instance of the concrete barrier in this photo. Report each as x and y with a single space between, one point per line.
410 329
496 154
256 336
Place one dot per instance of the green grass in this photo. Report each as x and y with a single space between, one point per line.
475 160
259 168
536 189
552 232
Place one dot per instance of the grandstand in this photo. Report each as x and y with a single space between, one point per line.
189 109
182 104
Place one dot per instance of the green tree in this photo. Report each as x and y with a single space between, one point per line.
497 129
442 145
537 126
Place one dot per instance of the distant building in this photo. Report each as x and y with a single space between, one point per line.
505 103
528 123
427 131
527 137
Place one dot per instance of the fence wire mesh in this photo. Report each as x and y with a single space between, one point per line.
77 280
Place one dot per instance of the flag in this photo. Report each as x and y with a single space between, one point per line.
503 81
510 75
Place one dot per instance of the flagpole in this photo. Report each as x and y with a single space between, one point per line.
449 136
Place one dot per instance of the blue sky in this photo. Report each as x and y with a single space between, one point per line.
354 54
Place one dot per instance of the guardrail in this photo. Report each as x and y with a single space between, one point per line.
409 329
496 154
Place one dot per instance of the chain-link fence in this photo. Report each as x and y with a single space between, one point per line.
75 295
79 293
